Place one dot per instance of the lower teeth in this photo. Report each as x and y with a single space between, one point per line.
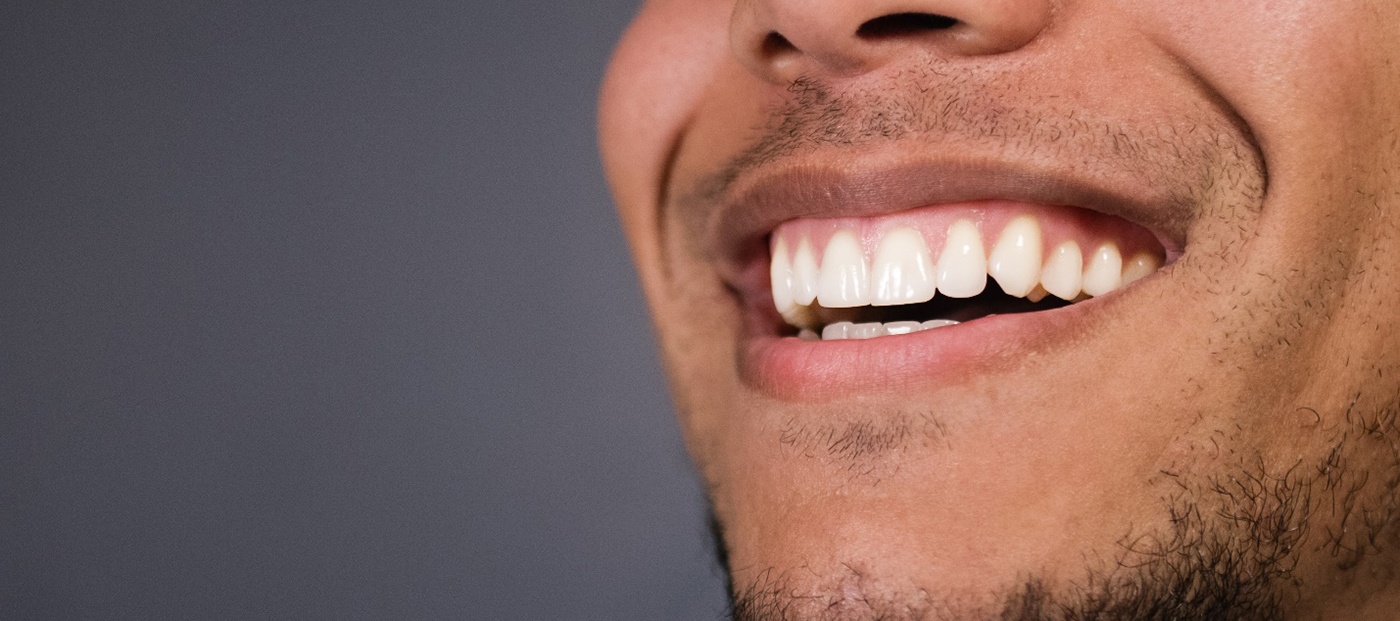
843 330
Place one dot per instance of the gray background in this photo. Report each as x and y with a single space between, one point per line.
318 310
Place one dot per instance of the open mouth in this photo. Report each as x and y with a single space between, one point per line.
929 268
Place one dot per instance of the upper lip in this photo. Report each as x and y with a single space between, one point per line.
758 202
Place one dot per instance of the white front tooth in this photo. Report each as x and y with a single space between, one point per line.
1015 260
837 331
962 267
845 280
804 273
1140 265
938 323
780 273
1105 271
903 270
1064 271
867 330
903 327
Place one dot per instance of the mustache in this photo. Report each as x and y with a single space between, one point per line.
933 109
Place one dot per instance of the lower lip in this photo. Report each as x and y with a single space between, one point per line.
790 368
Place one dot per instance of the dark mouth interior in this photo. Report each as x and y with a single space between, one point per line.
992 301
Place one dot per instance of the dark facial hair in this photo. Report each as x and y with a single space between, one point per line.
1229 555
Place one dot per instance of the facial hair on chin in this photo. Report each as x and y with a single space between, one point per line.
1230 553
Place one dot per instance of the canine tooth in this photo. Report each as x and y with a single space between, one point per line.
808 335
867 330
1064 271
938 323
962 267
1015 260
903 327
837 331
903 270
804 273
1105 271
780 273
1140 265
845 280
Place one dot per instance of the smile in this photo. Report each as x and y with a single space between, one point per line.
859 278
880 276
863 273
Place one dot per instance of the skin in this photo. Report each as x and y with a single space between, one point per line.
1230 419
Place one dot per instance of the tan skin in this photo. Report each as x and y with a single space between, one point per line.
1256 375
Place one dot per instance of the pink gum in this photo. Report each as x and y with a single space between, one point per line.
1089 229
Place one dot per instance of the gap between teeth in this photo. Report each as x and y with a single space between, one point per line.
904 271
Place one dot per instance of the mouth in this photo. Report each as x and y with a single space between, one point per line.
894 276
929 268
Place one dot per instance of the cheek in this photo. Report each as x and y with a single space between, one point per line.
1297 72
1315 83
657 77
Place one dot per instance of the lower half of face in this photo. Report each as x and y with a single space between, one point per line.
953 339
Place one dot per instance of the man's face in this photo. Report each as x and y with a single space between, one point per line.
1167 231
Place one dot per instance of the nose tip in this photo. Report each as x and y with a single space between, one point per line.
780 40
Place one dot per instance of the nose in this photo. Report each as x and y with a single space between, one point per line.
780 40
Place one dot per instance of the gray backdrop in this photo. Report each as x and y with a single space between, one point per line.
318 310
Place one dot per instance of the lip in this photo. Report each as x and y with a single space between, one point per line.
792 369
859 186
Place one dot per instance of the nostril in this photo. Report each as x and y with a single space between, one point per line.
775 44
904 24
782 47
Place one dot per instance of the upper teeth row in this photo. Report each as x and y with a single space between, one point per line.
903 270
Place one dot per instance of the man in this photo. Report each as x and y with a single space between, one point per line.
1027 309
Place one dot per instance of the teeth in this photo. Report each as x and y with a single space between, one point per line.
845 281
902 327
781 275
903 270
1140 265
1105 271
1064 271
837 331
867 330
962 268
843 330
1015 260
804 273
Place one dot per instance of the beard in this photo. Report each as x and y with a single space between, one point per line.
1238 535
